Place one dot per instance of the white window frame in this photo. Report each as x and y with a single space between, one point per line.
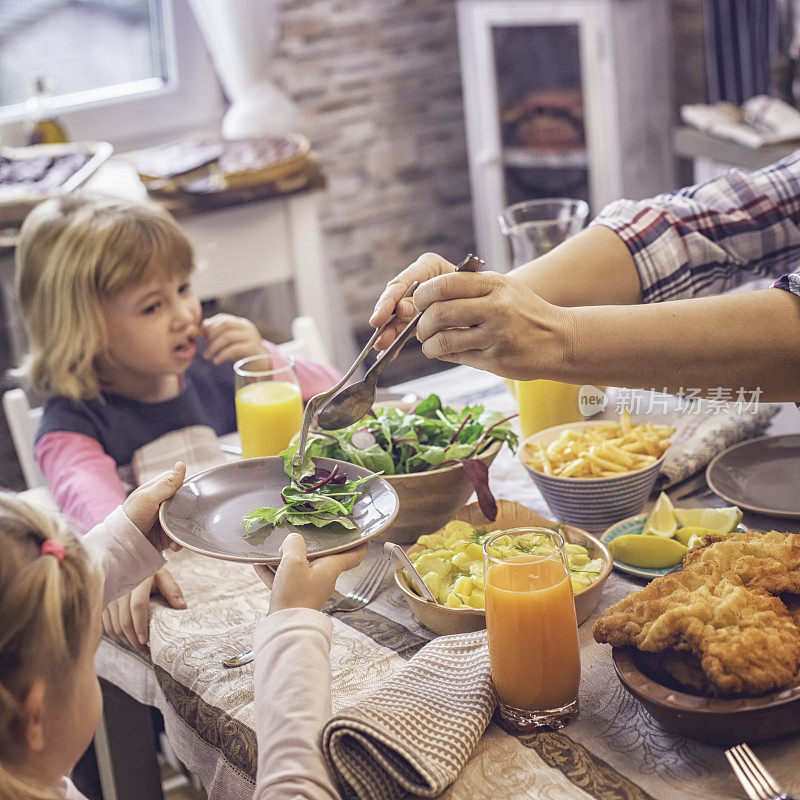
150 111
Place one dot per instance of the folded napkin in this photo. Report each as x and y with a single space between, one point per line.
414 734
759 121
703 433
197 446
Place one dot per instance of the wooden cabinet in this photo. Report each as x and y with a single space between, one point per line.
563 99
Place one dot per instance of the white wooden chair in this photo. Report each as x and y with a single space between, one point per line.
307 341
24 420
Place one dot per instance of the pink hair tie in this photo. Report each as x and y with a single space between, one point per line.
50 547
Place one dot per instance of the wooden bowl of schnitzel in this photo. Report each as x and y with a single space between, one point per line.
716 720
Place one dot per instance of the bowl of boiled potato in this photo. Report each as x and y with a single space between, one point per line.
593 474
450 562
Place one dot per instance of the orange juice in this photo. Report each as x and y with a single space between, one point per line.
268 414
533 634
543 404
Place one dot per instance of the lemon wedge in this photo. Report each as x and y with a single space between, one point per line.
684 535
720 520
661 520
647 551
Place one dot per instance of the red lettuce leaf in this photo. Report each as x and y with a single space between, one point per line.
478 473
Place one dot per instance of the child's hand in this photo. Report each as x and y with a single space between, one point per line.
299 583
230 338
127 620
141 506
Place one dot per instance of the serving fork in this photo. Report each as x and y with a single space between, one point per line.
756 780
361 594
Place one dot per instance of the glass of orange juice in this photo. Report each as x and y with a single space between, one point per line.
269 405
532 628
543 404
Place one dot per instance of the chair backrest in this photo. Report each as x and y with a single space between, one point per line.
307 342
23 422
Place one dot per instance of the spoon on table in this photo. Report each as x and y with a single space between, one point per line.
353 403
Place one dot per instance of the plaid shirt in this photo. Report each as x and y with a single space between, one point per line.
710 238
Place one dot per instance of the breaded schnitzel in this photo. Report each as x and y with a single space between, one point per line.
769 561
745 639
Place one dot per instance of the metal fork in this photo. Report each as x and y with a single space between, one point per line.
362 593
364 590
756 781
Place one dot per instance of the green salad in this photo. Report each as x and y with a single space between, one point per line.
394 441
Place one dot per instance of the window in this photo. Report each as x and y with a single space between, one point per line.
181 97
88 51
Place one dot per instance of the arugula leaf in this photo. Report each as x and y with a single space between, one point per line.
429 406
319 498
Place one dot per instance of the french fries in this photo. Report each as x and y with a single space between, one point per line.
600 451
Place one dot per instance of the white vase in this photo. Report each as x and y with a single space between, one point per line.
241 36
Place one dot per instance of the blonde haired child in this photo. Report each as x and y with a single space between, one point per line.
118 345
52 589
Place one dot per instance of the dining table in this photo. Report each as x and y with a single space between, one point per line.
613 750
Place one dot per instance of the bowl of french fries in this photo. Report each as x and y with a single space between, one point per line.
593 474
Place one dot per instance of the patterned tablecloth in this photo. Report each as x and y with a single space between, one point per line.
614 750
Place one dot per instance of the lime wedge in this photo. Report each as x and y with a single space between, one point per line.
661 520
683 535
647 551
721 520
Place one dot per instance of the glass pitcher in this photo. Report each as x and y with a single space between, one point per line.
536 226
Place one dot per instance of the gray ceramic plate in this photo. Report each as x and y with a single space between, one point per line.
206 513
761 475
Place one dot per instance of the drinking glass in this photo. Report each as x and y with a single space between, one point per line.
532 628
269 405
533 228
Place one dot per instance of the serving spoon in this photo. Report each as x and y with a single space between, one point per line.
395 550
353 403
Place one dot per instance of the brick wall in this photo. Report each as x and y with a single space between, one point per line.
379 89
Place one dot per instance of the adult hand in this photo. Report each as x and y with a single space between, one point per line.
427 266
229 338
493 322
127 620
141 506
299 583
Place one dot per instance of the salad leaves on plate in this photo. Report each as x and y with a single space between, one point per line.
315 496
394 441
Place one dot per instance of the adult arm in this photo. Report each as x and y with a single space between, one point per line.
81 475
495 322
698 241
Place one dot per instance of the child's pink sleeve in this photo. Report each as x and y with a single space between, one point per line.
313 378
82 477
292 682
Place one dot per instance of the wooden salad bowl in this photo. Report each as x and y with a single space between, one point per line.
429 499
444 620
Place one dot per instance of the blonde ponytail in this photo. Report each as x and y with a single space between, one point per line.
12 787
47 609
